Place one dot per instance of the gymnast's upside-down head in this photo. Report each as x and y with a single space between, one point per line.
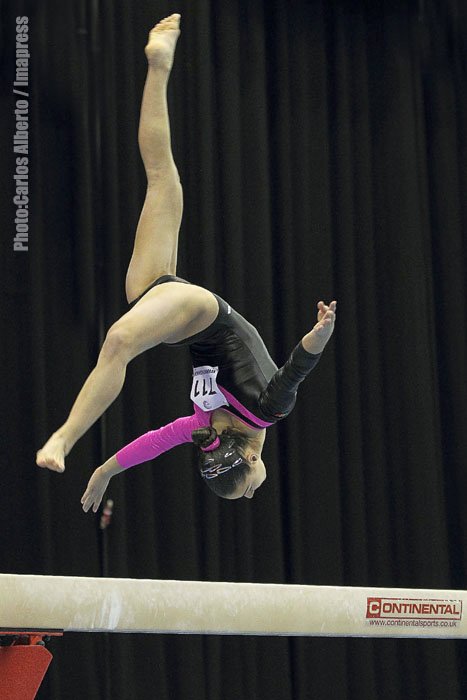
228 463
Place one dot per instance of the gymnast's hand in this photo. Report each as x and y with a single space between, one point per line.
95 490
316 340
98 484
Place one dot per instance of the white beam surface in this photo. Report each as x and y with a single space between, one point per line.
198 607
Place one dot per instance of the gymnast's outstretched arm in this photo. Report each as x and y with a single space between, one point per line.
144 448
278 398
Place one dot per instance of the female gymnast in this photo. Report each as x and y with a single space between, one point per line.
237 389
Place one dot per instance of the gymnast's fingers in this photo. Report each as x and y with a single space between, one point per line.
89 498
330 311
322 308
86 501
93 500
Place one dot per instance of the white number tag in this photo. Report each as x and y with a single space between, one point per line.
204 391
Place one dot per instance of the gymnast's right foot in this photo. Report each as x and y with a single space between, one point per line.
52 455
163 37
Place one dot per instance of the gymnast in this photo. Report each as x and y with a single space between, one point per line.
237 390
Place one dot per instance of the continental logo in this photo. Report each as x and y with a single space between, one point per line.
413 609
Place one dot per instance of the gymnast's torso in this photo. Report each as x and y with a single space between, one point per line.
231 367
234 372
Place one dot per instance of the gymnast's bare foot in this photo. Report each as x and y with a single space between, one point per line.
52 455
316 340
163 37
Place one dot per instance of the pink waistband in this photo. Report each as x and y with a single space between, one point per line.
248 414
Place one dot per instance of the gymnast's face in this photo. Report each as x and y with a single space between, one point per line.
253 480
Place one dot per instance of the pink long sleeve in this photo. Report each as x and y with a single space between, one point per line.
155 442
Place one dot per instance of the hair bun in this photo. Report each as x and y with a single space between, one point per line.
204 437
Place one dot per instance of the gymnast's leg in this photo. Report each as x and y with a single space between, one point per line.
156 241
163 313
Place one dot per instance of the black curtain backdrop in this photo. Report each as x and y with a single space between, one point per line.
322 149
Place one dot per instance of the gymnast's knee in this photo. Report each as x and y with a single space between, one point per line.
117 344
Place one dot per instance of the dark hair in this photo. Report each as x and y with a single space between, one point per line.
224 467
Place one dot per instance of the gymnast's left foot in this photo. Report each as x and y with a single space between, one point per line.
316 340
52 455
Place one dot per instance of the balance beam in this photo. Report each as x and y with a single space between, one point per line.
79 604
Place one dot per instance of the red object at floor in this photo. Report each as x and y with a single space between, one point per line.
22 669
23 665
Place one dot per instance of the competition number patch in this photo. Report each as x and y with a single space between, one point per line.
204 391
